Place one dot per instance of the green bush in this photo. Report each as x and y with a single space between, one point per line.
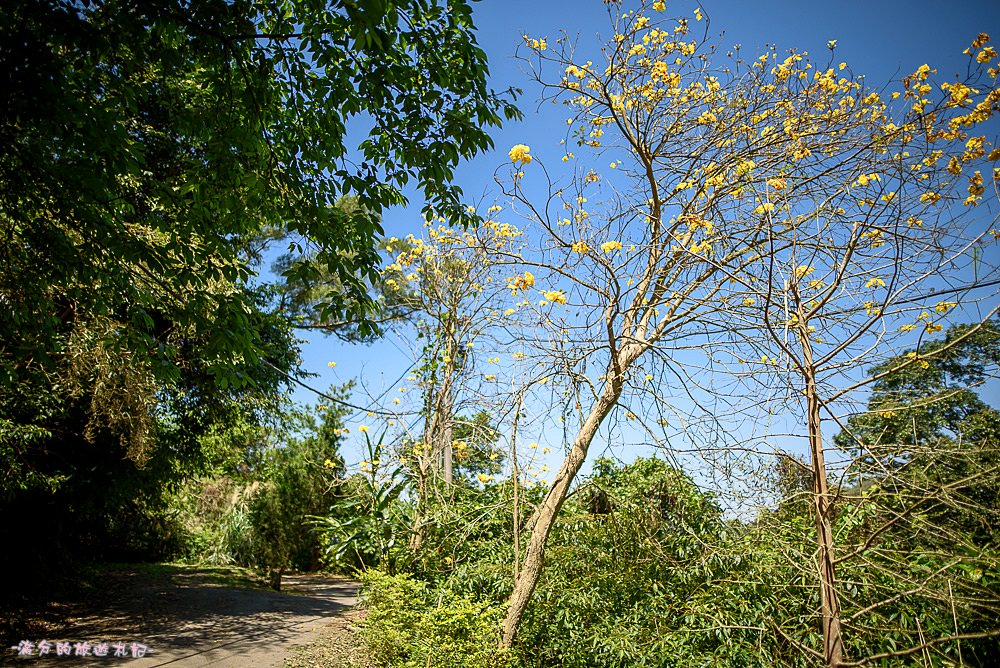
412 625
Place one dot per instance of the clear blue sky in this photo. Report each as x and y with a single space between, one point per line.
884 40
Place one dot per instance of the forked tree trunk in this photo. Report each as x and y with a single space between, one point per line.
833 641
545 517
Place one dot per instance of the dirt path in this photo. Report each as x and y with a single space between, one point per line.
187 617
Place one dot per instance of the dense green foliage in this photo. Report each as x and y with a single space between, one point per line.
150 150
253 511
369 524
412 626
643 569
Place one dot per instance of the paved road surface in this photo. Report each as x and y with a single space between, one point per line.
187 621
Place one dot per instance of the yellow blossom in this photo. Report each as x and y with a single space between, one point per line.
611 246
580 247
331 364
363 429
876 237
930 197
521 282
555 296
865 179
519 153
483 478
803 270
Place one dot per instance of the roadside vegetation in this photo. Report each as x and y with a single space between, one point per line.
718 391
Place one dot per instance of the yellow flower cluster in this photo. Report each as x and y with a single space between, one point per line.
976 189
520 153
555 296
521 282
580 247
696 222
875 237
504 230
701 247
803 270
611 246
536 44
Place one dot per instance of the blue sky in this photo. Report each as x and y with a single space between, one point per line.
883 40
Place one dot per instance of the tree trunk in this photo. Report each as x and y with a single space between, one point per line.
417 534
447 456
833 642
545 516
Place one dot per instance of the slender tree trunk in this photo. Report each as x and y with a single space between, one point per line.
448 416
516 474
833 642
423 470
545 516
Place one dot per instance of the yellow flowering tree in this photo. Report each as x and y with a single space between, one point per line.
447 286
875 239
738 192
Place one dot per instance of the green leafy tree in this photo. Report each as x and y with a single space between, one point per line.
150 145
476 446
149 148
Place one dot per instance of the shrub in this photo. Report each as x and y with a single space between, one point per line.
411 625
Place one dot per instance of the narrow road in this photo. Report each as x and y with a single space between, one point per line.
186 620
